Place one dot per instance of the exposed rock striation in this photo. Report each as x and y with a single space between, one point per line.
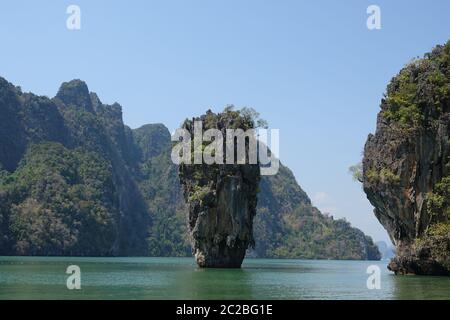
406 165
222 198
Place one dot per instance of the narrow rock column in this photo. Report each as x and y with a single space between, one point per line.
222 200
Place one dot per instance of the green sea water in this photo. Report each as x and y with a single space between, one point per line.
179 278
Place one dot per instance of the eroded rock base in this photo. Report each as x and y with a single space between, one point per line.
414 266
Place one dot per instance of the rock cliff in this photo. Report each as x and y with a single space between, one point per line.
221 198
67 183
406 165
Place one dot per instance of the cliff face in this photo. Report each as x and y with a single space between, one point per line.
406 165
66 181
159 184
221 198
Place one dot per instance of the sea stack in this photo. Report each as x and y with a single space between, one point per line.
222 198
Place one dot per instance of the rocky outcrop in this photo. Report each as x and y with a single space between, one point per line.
406 165
221 198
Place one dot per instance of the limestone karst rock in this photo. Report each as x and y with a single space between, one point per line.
222 199
406 165
67 182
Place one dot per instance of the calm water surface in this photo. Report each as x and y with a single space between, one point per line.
179 278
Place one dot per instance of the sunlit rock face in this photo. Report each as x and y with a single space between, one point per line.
222 199
406 165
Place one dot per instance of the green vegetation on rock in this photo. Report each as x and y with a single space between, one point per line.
406 166
419 94
61 202
288 226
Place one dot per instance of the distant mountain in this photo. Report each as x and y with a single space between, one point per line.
74 180
387 251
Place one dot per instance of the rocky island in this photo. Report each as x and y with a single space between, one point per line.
406 165
222 197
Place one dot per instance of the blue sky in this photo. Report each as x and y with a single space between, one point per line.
311 68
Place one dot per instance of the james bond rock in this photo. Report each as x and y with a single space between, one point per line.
222 198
